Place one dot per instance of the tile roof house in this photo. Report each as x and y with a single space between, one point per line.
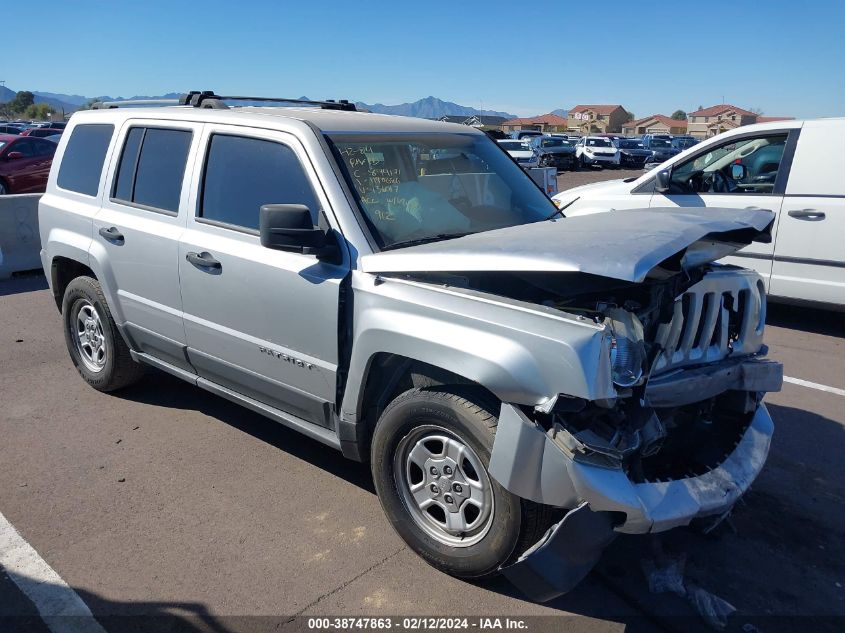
543 123
716 119
654 124
597 119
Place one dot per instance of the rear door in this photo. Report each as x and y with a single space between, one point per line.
705 179
809 259
260 322
138 229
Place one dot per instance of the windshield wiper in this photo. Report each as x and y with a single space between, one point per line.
425 240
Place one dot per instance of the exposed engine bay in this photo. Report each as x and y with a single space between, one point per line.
669 331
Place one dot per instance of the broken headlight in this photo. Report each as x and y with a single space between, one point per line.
627 350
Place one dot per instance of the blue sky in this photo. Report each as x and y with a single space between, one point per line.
525 57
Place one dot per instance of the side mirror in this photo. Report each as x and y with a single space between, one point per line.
662 181
14 155
738 171
288 227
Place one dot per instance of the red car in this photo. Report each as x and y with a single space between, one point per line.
40 132
24 163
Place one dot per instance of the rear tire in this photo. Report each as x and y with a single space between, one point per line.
94 343
415 439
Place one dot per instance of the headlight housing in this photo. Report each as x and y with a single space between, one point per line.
627 349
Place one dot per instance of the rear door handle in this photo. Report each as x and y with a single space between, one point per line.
807 214
204 260
111 234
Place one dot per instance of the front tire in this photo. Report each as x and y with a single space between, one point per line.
429 458
96 348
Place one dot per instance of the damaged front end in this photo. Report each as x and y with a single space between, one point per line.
684 438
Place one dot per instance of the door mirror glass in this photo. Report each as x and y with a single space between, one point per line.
288 227
14 155
662 180
738 172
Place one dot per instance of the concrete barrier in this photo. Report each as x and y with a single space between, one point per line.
20 242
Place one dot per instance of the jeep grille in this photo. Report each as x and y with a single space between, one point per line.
722 315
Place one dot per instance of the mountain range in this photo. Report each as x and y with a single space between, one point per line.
427 108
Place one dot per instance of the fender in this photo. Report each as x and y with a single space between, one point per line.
504 345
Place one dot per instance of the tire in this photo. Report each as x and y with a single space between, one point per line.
452 416
103 359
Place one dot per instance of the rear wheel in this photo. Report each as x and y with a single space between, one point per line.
430 453
97 349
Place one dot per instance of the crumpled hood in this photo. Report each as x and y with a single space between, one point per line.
626 246
558 150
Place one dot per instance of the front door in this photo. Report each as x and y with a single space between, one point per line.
745 172
809 253
261 322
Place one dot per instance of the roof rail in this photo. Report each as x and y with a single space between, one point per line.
207 99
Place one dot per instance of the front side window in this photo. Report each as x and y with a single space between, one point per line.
242 174
415 188
152 167
713 171
82 162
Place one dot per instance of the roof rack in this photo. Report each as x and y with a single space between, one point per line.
207 99
103 105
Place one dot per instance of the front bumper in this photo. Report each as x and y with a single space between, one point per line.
529 464
599 160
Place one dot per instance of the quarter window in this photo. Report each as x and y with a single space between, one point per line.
152 167
242 174
84 156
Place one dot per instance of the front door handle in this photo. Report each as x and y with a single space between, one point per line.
111 234
204 260
807 214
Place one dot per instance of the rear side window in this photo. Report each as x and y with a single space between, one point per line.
152 166
84 156
241 174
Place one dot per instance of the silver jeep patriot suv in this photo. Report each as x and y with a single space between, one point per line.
525 386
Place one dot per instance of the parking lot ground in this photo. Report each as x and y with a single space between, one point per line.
166 500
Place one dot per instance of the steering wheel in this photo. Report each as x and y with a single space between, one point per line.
719 182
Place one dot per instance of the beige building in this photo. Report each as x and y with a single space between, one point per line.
542 123
654 124
716 119
597 119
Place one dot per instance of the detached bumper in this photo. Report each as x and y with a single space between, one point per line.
527 462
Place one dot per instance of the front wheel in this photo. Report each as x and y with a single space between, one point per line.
430 454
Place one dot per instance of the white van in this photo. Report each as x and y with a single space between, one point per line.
793 168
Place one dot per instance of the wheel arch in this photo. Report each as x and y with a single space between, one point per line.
63 270
386 376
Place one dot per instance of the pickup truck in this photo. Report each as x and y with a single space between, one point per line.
524 386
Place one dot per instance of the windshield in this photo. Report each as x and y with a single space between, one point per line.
599 142
659 142
555 142
424 187
626 144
